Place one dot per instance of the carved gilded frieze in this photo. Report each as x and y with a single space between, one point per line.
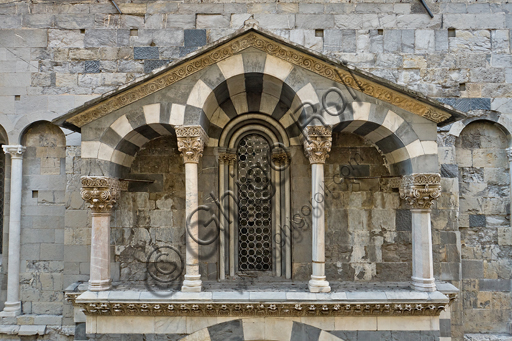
191 141
420 190
273 48
317 143
101 193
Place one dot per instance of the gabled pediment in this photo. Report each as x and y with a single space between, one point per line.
251 36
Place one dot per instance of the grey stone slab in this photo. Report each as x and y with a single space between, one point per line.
477 220
449 170
227 331
304 332
403 220
500 285
367 335
441 40
445 327
145 52
92 66
26 330
80 331
150 65
346 335
230 296
472 269
268 296
314 21
406 295
366 295
407 41
194 38
392 40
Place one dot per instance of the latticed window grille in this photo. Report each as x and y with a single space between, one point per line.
255 207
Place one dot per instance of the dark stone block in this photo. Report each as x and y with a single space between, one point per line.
154 187
445 327
346 335
472 268
382 335
227 331
354 170
195 38
186 50
92 66
405 335
145 52
480 104
80 331
477 220
429 335
448 237
403 220
502 285
449 171
150 65
304 332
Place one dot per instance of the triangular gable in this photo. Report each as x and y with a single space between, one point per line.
253 36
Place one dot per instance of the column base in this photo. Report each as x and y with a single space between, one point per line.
318 284
11 309
423 284
100 285
192 283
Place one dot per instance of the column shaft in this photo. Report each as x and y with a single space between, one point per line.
13 304
222 234
422 261
192 282
100 279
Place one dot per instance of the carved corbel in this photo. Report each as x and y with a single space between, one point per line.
317 143
101 193
191 141
421 189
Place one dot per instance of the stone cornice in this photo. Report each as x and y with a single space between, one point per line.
293 55
191 141
317 143
16 151
262 309
420 190
101 193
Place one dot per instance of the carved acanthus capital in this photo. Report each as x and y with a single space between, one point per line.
101 193
227 158
421 189
317 143
280 157
191 141
509 154
16 151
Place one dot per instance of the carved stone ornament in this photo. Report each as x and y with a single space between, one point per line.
254 40
420 190
258 309
101 193
227 158
509 154
16 151
191 141
317 143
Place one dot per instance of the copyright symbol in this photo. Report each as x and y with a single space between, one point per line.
165 264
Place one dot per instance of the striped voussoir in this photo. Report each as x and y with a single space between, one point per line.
250 83
261 329
388 131
123 139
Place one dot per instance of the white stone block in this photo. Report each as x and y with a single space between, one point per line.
355 323
408 323
277 67
232 66
199 94
170 325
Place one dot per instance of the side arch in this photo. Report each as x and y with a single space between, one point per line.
500 120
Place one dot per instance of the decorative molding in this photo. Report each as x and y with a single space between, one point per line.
317 143
191 141
509 154
101 193
263 310
420 190
16 151
227 158
273 48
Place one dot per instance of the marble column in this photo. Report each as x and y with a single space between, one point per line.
101 194
225 216
317 145
419 191
509 155
13 304
191 141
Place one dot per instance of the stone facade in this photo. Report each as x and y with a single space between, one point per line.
56 56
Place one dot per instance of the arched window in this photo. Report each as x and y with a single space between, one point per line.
254 183
255 204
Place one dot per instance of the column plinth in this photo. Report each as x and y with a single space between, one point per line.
317 145
191 141
101 194
13 304
420 191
